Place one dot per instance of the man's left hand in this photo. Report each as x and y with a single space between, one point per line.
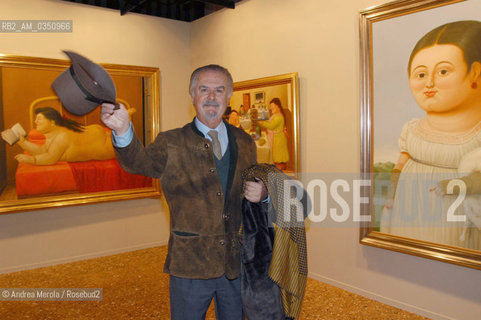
255 191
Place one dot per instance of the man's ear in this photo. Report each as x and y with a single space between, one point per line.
475 72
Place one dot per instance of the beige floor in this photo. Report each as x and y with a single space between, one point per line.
134 287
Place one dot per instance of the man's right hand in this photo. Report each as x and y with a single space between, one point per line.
116 119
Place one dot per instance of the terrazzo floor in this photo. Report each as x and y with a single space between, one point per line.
134 287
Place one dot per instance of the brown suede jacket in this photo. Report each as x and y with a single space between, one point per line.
204 222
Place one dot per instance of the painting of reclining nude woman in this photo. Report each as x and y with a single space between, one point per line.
54 153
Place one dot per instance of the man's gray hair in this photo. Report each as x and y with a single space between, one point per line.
210 67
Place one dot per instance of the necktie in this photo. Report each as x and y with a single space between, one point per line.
215 143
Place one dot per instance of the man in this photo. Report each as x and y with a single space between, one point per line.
200 172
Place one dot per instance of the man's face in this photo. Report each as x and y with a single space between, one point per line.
210 97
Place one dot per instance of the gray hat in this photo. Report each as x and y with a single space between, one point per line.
84 85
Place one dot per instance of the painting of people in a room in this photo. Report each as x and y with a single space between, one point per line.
268 112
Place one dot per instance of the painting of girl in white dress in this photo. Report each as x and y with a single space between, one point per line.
444 75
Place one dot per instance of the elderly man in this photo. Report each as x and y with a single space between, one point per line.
199 167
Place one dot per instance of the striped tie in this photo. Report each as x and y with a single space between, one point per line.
215 143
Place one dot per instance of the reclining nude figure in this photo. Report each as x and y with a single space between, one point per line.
66 140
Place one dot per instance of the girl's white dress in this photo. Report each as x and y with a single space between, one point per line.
418 213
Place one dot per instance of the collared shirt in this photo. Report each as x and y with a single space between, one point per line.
221 130
125 139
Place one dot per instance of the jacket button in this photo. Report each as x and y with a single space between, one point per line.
222 242
206 146
225 216
219 194
211 170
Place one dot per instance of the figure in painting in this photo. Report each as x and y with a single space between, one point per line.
276 134
234 119
244 111
444 76
65 140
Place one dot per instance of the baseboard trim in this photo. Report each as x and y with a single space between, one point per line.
379 298
92 255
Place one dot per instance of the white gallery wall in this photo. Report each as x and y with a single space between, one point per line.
44 237
316 38
319 40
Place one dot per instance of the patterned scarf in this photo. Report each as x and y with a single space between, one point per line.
288 266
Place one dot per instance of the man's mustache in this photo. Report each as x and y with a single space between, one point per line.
211 103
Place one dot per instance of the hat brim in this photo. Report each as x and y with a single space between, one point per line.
84 85
72 97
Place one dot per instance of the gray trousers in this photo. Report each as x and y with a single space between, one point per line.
190 298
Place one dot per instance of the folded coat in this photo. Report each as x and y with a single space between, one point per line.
283 252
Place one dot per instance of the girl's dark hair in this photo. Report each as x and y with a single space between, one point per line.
54 115
278 103
465 34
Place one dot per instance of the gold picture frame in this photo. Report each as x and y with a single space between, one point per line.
372 23
29 92
285 87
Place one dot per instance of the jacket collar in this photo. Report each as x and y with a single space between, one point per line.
234 152
194 128
233 149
